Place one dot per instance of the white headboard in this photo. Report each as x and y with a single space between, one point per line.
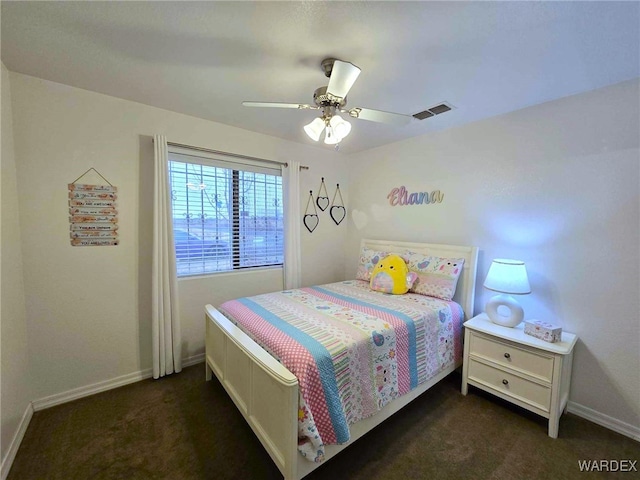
466 289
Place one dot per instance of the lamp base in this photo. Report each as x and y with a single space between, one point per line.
516 313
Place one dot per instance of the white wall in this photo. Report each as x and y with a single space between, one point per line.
555 185
88 308
16 389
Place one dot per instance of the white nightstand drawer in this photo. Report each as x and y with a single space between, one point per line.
526 361
532 393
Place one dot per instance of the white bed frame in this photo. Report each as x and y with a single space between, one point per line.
266 393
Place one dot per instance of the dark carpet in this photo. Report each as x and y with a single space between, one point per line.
181 427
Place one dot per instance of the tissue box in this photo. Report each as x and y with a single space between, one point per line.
543 330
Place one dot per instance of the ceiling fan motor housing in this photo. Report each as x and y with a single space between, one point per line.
327 66
323 99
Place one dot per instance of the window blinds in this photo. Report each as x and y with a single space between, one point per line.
227 215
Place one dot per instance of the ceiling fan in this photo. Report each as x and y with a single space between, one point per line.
333 99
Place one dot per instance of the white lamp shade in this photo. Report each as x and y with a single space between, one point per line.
314 129
508 276
341 128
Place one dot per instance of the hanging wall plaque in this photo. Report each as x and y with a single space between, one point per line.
93 216
322 201
337 211
310 220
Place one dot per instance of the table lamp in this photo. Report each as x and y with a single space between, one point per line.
509 277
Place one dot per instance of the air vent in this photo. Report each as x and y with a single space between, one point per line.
423 115
438 109
435 110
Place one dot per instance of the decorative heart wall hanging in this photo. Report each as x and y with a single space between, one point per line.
310 220
322 201
337 212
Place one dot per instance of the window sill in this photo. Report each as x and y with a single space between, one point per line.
230 273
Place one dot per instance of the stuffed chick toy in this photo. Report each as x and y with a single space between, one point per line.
391 275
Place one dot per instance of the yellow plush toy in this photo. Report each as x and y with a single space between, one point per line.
391 275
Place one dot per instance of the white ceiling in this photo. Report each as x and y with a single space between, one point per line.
204 58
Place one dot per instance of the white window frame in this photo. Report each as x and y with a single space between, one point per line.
234 263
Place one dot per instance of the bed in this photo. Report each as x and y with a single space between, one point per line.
270 396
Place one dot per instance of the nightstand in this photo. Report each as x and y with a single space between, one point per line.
519 368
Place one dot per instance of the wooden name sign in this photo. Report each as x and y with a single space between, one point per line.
93 215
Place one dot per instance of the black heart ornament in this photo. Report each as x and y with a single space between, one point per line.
322 202
337 213
310 221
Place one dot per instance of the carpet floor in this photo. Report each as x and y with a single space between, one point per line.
181 427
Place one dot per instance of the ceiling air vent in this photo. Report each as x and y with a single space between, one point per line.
435 110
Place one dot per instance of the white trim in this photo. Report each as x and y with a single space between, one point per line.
80 392
8 459
187 362
603 420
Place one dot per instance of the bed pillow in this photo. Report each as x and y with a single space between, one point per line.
437 276
368 259
391 275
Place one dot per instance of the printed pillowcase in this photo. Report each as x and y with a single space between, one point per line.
368 259
437 276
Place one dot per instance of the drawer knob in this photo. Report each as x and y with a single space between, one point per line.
507 355
505 381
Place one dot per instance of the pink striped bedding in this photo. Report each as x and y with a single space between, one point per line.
353 350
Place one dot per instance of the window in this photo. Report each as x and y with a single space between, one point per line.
226 216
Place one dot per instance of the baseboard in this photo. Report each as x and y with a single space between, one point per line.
603 420
196 359
81 392
7 461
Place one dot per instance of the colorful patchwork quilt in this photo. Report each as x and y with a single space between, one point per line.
353 350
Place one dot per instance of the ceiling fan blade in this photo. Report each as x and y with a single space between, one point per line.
379 116
343 76
280 105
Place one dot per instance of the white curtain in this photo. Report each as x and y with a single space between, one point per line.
167 344
292 250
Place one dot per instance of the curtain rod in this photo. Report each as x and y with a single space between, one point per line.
234 155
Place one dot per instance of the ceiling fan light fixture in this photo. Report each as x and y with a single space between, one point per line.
341 128
332 99
330 137
314 129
